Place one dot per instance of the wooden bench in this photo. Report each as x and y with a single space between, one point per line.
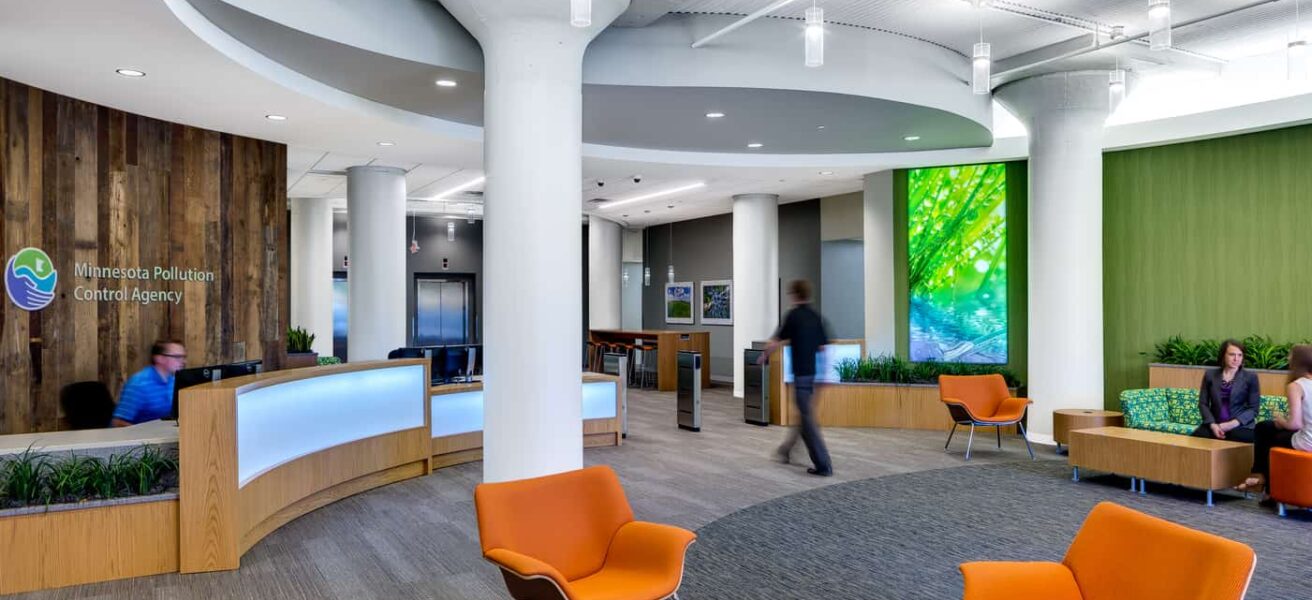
1165 457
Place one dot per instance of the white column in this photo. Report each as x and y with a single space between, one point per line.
533 72
1064 113
877 246
312 270
603 273
755 275
375 213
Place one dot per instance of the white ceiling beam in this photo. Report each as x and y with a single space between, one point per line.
776 5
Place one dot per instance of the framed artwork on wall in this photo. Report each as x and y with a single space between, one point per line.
678 302
716 302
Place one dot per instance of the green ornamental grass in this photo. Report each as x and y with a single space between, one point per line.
892 369
33 478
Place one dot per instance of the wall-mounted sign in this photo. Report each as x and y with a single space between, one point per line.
30 279
134 294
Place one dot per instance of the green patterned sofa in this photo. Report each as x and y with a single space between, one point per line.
1175 410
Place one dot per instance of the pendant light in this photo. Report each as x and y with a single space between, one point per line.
815 36
669 271
981 64
1296 52
646 269
1116 87
414 225
580 13
1159 24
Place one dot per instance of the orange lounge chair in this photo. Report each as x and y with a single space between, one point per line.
572 536
982 400
1122 554
1291 478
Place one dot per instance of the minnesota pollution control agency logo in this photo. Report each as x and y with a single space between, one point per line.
30 279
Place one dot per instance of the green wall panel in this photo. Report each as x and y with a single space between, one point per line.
1205 239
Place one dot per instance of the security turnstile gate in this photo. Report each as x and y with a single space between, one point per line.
689 391
756 388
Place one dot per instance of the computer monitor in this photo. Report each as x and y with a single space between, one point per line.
455 362
411 352
241 369
193 376
475 359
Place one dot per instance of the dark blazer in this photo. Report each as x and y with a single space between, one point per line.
1245 394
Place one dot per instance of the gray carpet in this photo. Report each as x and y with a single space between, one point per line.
902 536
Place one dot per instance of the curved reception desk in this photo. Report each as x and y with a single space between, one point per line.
458 418
256 452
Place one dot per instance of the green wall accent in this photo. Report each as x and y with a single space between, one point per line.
1017 266
1207 239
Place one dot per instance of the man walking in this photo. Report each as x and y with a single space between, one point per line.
805 331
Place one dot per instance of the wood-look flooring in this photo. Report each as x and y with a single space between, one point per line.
419 538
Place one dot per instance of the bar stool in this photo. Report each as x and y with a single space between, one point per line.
645 364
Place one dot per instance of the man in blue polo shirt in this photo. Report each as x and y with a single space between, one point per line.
148 394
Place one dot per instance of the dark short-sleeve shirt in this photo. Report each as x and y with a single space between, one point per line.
145 397
805 331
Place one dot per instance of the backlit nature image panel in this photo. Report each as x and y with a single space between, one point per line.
957 263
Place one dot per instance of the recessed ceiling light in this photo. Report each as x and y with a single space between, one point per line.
755 145
275 117
826 172
818 127
446 83
715 115
911 138
130 72
386 143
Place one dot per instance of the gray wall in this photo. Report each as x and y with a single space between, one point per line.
465 257
799 249
842 274
703 249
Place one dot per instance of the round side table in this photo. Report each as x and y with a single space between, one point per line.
1066 420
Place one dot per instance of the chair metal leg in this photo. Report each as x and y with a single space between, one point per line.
998 429
1025 437
954 430
970 441
1281 507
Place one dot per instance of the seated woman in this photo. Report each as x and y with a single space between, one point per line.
1229 397
1294 431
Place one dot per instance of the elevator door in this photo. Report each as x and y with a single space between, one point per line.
441 312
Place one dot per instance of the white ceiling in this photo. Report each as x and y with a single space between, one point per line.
73 46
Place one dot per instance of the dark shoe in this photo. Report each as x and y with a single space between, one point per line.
1267 502
815 471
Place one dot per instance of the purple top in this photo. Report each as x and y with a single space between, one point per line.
1225 400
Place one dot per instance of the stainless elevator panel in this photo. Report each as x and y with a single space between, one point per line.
441 312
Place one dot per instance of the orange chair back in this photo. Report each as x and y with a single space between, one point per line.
981 393
1122 554
566 520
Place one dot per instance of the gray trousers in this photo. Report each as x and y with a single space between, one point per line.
808 429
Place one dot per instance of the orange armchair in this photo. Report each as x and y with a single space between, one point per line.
1291 478
1122 554
572 536
982 400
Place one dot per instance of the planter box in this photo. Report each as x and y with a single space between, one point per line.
301 360
1179 376
49 547
895 405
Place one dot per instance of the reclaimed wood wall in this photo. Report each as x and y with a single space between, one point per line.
86 183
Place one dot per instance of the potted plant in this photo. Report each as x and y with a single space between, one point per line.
1179 362
300 352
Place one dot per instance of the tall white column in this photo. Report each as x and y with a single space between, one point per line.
604 243
312 270
1064 113
877 216
755 275
375 216
533 78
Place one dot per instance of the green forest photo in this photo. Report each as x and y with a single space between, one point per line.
957 263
